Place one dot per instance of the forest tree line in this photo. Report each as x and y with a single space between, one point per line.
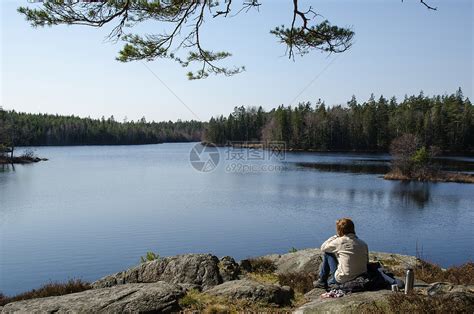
445 121
26 129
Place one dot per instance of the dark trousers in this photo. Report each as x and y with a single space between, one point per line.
328 268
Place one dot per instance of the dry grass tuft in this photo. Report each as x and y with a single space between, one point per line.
263 277
415 303
48 290
262 265
200 302
458 275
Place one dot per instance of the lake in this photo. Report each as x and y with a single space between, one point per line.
93 210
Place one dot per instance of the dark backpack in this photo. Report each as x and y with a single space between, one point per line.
370 281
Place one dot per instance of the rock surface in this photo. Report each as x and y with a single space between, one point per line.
307 261
159 297
347 304
229 269
439 288
250 290
394 262
157 286
462 294
195 269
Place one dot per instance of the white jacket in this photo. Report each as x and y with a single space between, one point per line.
352 256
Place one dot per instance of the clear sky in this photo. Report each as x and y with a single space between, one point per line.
400 48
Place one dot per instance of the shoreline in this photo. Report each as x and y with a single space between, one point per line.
259 145
444 177
274 282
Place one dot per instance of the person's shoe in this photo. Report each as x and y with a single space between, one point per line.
320 284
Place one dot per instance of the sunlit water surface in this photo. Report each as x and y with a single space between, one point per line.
91 211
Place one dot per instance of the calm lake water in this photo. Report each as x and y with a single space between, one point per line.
92 211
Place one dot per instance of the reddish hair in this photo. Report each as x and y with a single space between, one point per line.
344 226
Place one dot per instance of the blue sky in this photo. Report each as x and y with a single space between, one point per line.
400 48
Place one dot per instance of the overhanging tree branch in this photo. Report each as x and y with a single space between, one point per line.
184 19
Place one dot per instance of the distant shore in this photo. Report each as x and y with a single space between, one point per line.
262 145
442 176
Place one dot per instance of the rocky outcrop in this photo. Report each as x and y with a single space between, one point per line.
229 269
347 304
307 261
439 288
159 297
158 286
463 295
394 262
195 269
253 291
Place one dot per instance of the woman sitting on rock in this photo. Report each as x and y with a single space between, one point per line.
345 256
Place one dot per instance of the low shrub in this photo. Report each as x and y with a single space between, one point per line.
293 250
415 303
458 275
48 290
396 303
200 302
194 300
262 265
150 256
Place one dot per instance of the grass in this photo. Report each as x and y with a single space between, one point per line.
200 302
48 290
264 277
262 265
416 303
430 273
150 256
449 303
458 275
293 250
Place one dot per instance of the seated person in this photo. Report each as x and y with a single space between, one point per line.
345 256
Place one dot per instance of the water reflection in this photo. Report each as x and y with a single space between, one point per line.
380 166
412 193
386 194
7 167
355 167
123 201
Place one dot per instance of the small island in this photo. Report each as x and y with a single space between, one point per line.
27 157
414 162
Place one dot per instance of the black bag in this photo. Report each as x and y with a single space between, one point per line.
370 281
355 285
